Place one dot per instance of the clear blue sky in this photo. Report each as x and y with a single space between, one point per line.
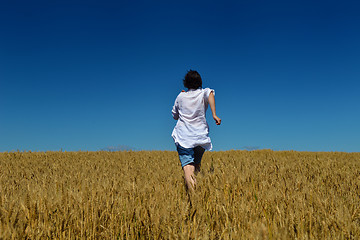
85 75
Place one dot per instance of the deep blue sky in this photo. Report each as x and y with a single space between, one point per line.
88 75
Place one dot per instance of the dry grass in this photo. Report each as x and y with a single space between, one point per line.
141 195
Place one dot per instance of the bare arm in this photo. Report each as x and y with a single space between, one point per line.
213 109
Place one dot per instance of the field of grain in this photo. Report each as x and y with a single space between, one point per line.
141 195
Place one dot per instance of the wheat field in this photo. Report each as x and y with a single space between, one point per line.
259 194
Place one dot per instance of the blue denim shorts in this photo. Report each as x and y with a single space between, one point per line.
190 155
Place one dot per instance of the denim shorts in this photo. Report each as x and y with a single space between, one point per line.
190 155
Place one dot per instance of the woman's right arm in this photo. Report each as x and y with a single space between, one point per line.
213 109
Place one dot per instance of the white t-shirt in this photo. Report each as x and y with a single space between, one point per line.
191 129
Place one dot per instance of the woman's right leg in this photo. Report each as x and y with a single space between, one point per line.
198 153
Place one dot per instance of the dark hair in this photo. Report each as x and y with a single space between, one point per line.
192 80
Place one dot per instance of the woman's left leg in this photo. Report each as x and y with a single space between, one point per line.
190 159
189 177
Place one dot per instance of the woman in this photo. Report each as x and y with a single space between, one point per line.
191 133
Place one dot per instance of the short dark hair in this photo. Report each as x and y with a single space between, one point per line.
192 80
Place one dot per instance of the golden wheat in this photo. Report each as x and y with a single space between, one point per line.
141 195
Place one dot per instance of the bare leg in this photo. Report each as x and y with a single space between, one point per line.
189 176
197 168
198 153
